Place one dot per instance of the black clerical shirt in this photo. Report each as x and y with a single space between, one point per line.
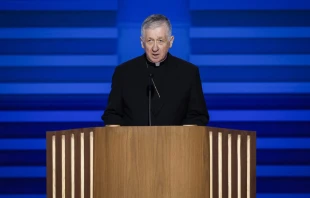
179 98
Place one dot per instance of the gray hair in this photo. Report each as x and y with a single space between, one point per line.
154 21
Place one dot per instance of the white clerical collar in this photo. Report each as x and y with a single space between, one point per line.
158 63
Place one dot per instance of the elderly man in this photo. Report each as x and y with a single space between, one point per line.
176 96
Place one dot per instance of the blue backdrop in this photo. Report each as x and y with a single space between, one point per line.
57 58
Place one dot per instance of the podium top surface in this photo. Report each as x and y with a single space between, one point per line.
152 128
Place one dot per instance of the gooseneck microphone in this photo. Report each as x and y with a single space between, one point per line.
150 99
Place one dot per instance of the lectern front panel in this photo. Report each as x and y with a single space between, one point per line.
151 162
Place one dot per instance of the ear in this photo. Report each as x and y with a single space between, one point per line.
142 44
171 41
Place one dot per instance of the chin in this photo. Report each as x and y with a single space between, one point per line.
157 60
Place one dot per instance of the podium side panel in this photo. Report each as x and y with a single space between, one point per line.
68 169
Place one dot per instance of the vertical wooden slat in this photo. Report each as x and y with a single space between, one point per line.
229 166
68 164
243 165
248 160
77 168
63 165
82 185
58 166
54 165
225 165
211 162
239 164
91 164
234 166
220 165
215 165
253 165
87 164
49 168
72 161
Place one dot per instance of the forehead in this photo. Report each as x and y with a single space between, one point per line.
161 31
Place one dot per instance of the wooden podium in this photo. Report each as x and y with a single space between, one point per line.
151 162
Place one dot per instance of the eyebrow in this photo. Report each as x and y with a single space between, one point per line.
160 38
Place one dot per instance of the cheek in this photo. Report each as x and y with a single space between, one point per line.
148 48
165 49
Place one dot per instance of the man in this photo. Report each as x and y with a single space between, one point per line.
177 97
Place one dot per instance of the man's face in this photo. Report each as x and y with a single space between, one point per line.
156 43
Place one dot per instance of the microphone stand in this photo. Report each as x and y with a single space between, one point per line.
150 100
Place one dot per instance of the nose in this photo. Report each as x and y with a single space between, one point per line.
155 47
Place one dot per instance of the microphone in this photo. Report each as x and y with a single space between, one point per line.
150 92
150 87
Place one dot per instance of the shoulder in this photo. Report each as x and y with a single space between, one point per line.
127 67
183 64
130 64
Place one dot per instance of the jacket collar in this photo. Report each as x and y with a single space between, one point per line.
164 62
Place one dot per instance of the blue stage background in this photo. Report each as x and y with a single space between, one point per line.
57 58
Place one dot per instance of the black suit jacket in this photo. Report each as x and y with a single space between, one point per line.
181 97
